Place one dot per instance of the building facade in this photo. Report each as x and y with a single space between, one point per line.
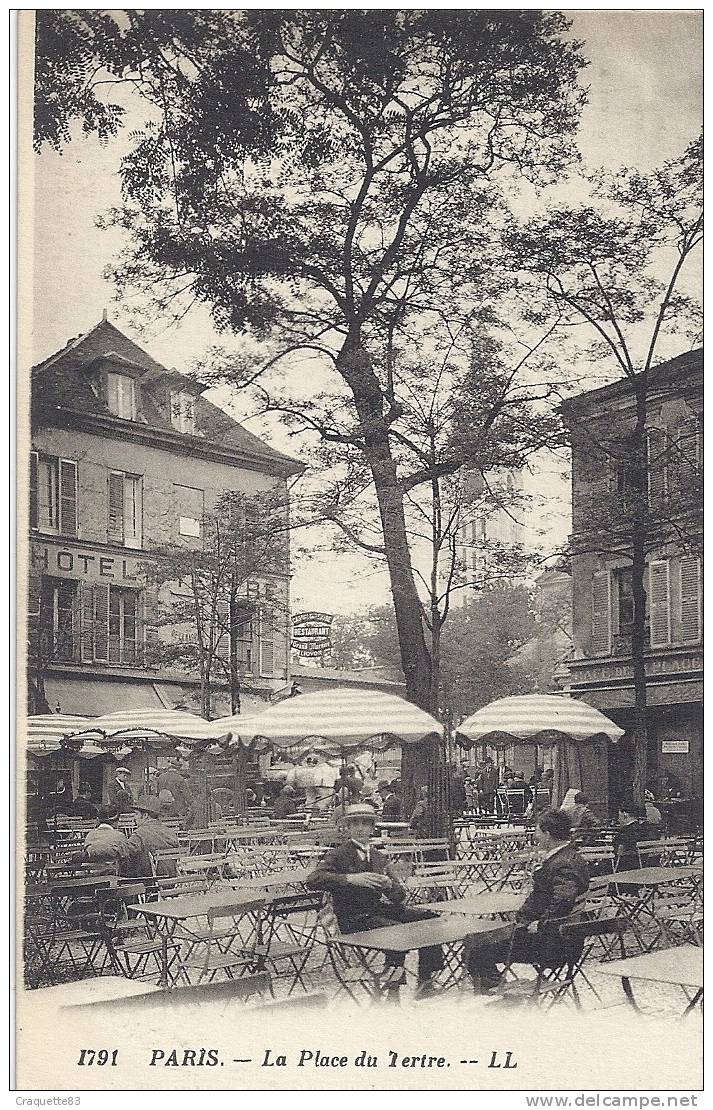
128 460
600 670
488 528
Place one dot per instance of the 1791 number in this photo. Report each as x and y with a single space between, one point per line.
99 1056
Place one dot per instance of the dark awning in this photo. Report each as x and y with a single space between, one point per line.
92 697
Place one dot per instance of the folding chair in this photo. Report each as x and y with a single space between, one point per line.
223 946
281 939
435 880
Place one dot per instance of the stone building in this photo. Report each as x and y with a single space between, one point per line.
127 456
601 668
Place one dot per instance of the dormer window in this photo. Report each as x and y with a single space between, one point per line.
121 396
183 413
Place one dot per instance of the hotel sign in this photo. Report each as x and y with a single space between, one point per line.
80 563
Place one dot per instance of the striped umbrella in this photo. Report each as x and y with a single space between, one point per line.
542 719
336 722
150 728
45 733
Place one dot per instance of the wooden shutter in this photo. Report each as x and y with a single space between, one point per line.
115 529
34 507
34 610
222 630
115 625
688 450
656 465
690 598
150 616
67 497
101 621
86 622
659 607
133 510
267 644
601 613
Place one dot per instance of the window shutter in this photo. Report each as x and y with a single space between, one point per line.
659 609
133 510
67 497
101 622
116 506
34 608
222 630
690 598
687 451
34 510
656 465
150 616
600 482
86 622
601 613
267 645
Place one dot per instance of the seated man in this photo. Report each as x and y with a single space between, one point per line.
105 845
367 893
559 882
632 829
149 836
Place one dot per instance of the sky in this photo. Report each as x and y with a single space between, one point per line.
644 80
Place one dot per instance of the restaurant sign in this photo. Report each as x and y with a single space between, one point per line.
312 634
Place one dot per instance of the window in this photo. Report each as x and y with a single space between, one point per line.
58 619
125 508
189 510
183 416
123 625
53 494
121 396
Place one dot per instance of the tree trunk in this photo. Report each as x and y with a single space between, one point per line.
355 366
639 534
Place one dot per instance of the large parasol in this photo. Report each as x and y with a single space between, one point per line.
542 720
336 722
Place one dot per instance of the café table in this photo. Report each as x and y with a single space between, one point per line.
273 879
170 916
681 966
638 902
415 935
488 904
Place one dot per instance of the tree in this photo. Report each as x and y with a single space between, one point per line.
212 591
615 268
339 188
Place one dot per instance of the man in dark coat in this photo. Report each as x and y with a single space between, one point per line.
149 836
559 884
486 785
172 779
367 893
120 792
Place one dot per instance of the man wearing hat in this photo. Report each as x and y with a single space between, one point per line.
122 795
172 779
105 845
149 836
366 891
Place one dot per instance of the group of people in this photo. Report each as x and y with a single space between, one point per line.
367 893
106 845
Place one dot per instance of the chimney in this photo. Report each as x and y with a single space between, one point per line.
104 317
